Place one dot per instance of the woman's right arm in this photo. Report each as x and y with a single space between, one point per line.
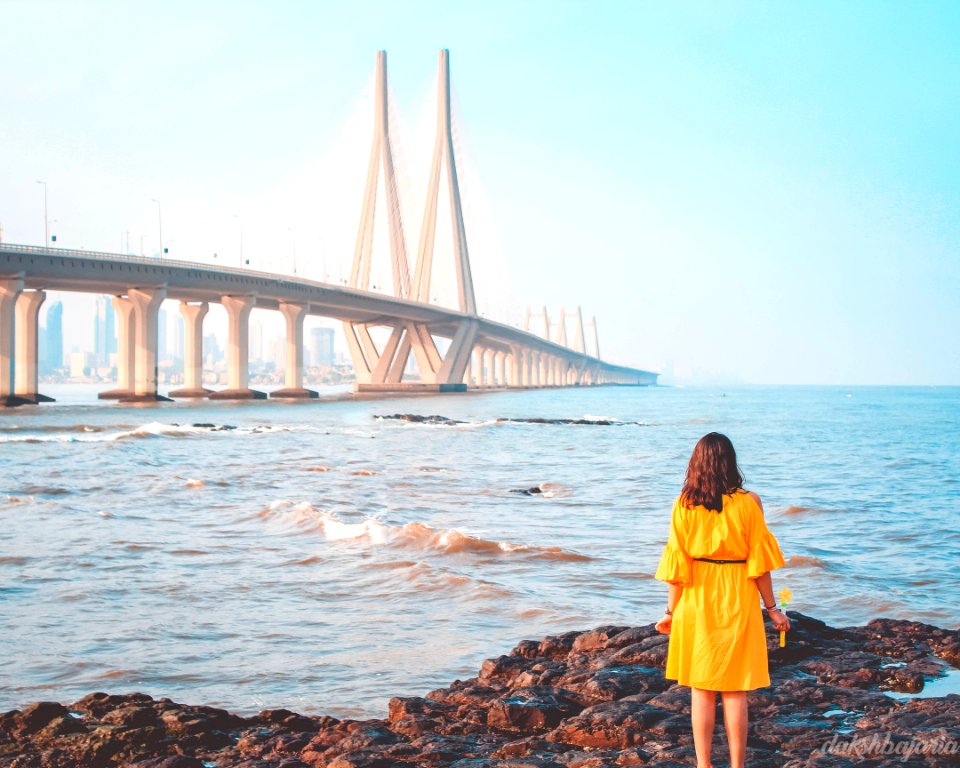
765 588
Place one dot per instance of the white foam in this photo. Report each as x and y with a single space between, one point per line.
308 519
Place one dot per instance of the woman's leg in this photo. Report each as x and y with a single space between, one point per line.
735 721
703 712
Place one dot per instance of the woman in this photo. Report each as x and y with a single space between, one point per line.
718 556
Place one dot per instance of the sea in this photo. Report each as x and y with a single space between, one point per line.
321 557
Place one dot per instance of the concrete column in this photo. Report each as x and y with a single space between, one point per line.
126 350
535 369
293 387
10 288
25 373
515 368
490 378
526 379
146 306
476 365
501 369
238 350
193 315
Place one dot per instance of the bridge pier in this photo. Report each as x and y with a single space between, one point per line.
193 315
501 358
238 350
146 309
293 387
25 374
126 349
476 366
10 288
490 373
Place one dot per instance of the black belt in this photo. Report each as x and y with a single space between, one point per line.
718 562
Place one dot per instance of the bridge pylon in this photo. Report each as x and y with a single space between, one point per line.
384 368
443 157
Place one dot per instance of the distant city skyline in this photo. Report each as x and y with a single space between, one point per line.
740 192
90 327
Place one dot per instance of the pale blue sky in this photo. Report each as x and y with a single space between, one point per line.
762 192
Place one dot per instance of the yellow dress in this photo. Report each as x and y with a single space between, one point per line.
717 639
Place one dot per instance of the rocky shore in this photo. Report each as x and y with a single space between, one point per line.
576 700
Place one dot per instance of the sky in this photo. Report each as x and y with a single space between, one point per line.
740 192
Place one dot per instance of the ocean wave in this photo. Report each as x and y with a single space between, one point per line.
43 428
805 561
87 434
306 518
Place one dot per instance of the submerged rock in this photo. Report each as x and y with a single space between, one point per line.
576 700
415 418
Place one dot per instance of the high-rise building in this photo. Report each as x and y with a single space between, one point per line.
211 350
104 337
321 346
162 334
52 360
178 338
256 341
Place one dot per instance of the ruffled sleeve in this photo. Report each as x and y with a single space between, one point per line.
763 550
675 561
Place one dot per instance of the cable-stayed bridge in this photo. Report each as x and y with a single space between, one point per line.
398 342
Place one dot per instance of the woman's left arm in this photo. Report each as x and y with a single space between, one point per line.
673 597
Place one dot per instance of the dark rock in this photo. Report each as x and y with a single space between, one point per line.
414 418
176 761
37 716
535 490
595 638
575 700
531 709
614 724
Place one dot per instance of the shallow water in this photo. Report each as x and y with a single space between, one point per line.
316 557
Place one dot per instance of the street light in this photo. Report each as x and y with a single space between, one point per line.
294 236
159 224
237 217
46 221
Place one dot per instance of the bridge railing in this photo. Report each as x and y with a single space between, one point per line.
155 260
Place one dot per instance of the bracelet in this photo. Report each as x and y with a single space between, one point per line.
769 608
667 611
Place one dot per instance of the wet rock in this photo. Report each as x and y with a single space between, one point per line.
616 724
37 716
291 721
574 700
595 638
176 761
414 418
535 490
533 708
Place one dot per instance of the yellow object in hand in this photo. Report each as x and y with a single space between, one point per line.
785 596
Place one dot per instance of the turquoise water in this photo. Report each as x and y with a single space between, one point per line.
318 558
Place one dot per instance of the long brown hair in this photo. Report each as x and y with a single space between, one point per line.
712 472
